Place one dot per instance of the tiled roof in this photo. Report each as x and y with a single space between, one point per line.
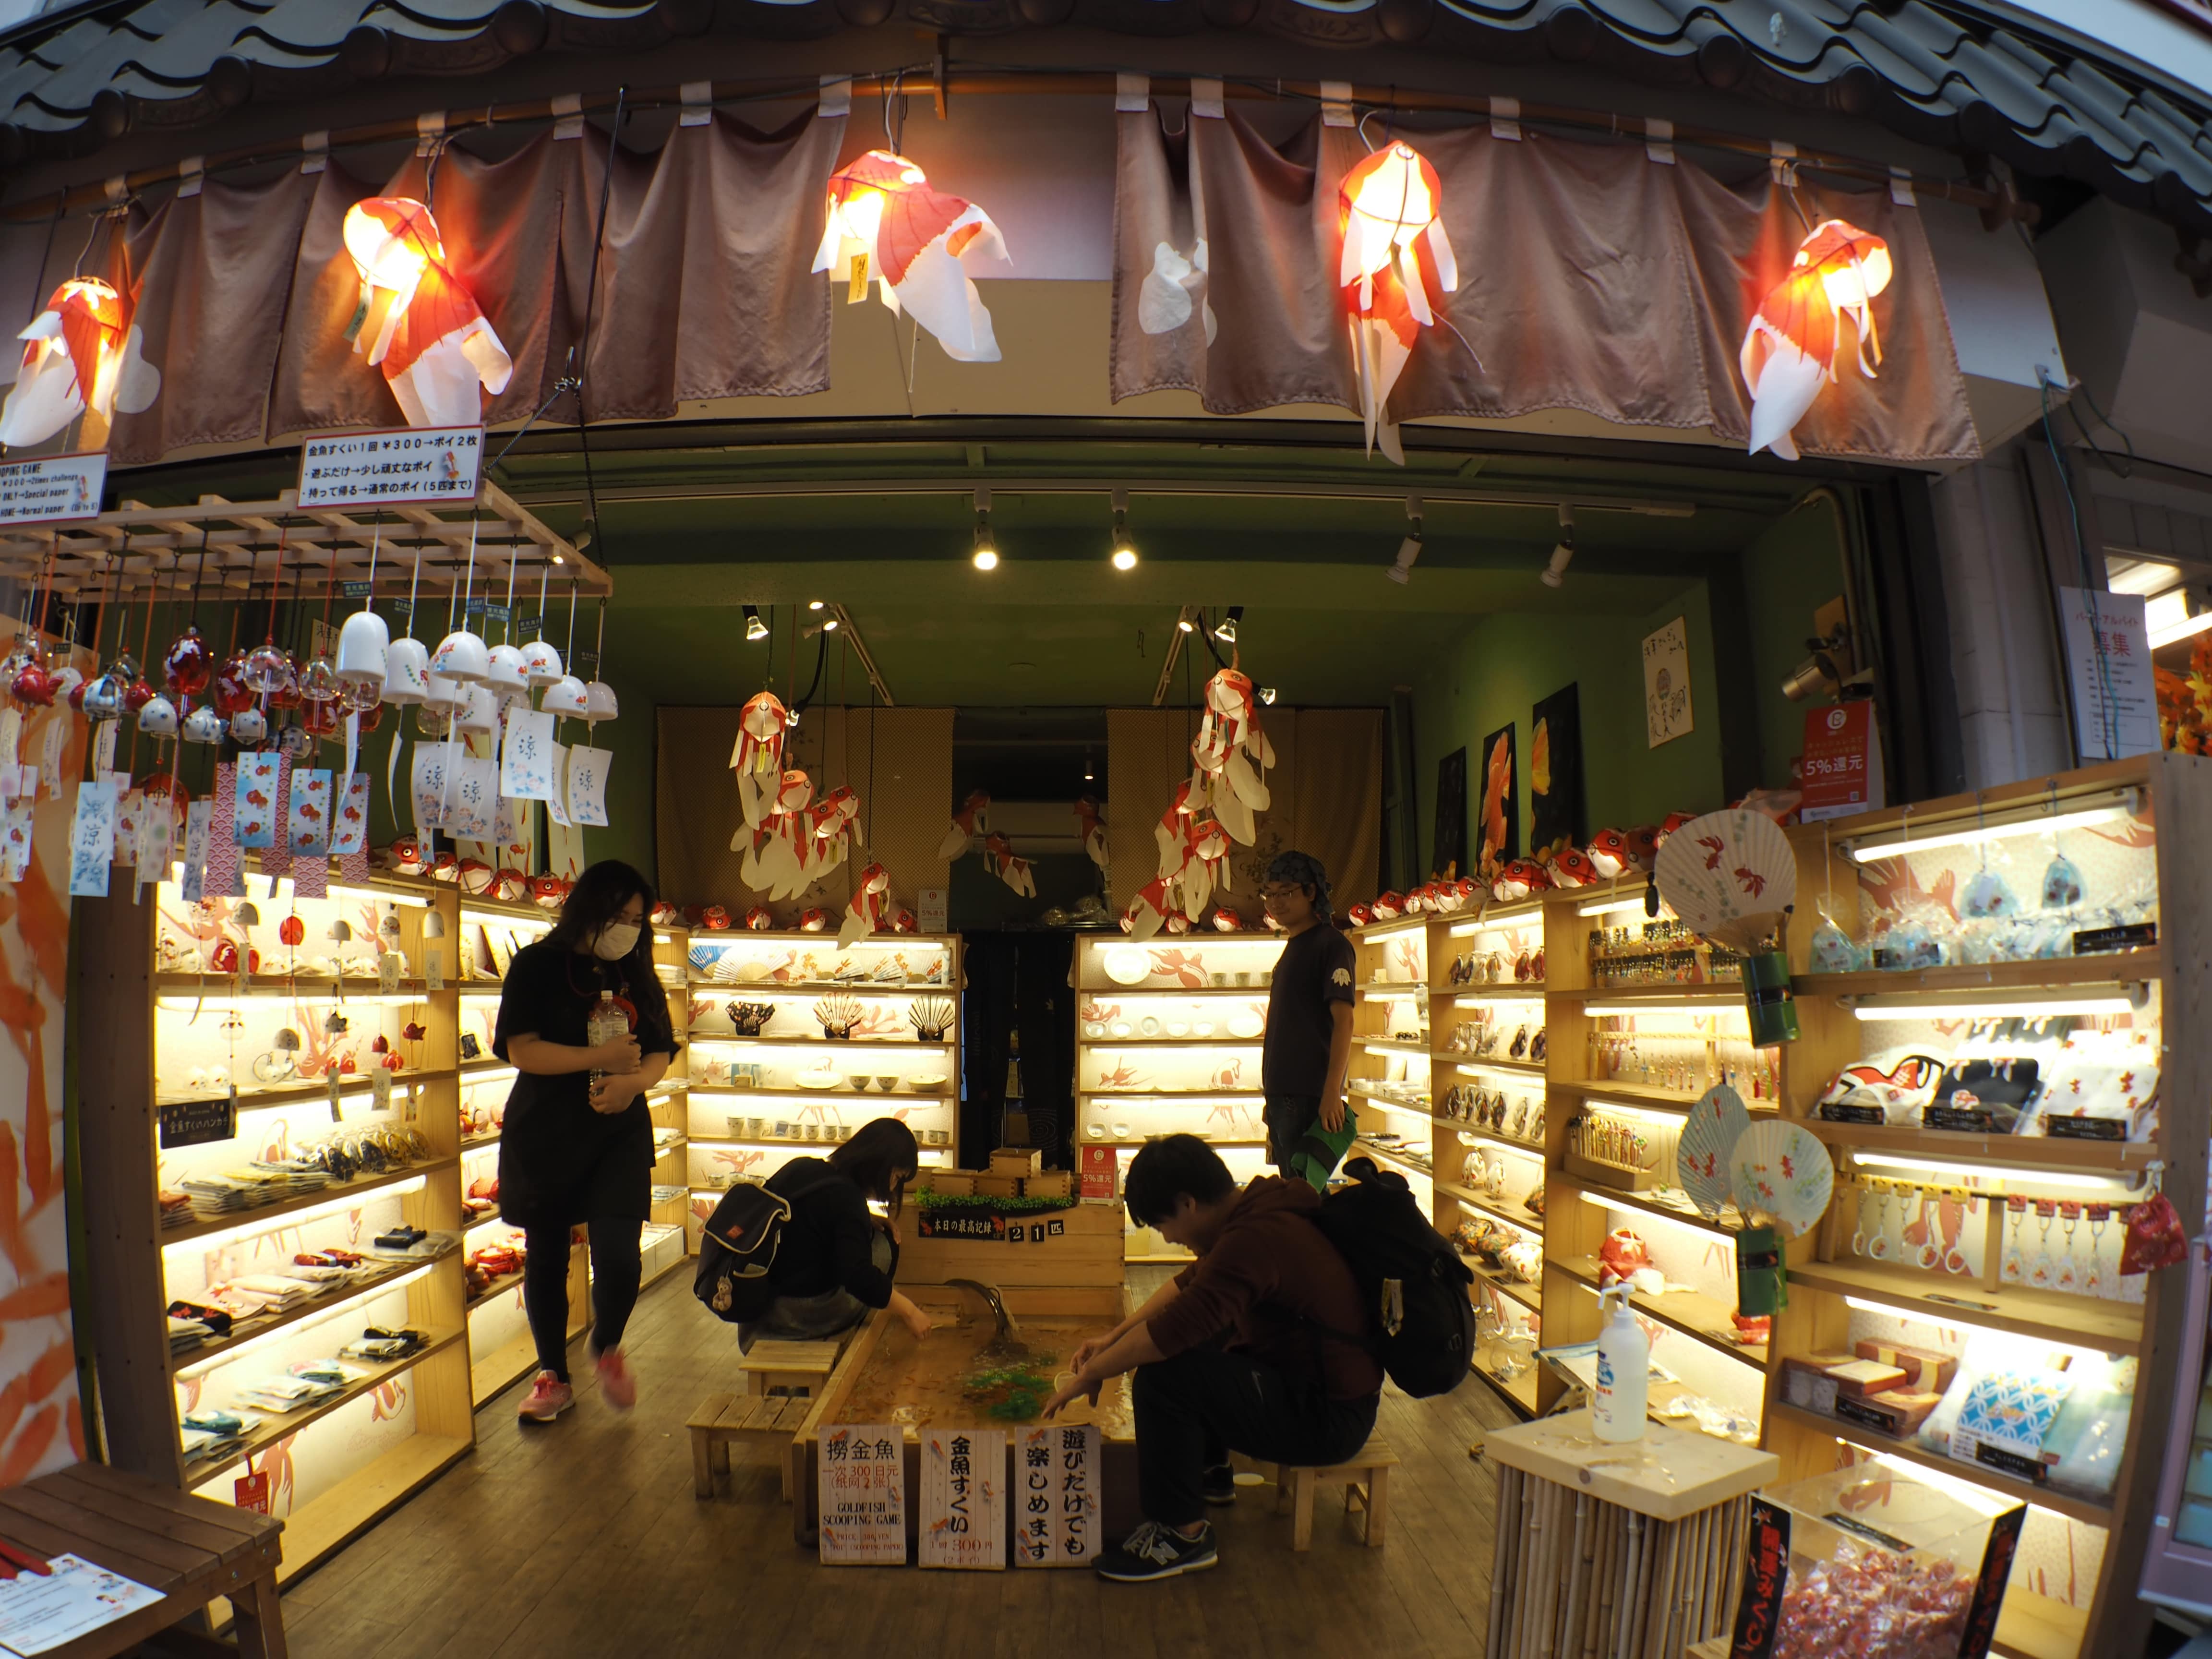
73 82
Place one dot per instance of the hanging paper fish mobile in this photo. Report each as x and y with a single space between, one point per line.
82 353
885 221
1395 257
416 320
1789 348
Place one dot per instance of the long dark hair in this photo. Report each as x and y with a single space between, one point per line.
879 1159
600 895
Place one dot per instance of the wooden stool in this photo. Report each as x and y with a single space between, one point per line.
1366 1477
754 1418
797 1368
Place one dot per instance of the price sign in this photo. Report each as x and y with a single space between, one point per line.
401 464
863 1495
53 489
964 1499
1840 771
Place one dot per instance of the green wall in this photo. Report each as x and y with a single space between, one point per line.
1505 663
1792 568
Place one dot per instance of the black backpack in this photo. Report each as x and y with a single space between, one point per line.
737 1250
1410 1276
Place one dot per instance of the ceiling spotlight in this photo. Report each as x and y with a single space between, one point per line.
986 557
814 604
755 630
1185 624
1410 548
1125 550
1226 633
1267 695
1086 766
829 624
1555 571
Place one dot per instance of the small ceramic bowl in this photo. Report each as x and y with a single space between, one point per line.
887 1084
859 1080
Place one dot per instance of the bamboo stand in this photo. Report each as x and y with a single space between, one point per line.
1616 1552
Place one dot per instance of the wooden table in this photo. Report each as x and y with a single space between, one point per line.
190 1549
1635 1550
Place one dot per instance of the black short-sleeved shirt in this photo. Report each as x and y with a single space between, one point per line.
1316 969
559 1162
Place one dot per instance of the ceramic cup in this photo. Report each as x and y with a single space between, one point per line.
1219 978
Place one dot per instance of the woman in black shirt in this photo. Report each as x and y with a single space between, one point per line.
577 1144
835 1259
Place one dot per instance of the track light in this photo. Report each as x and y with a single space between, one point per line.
755 630
829 624
1185 624
986 557
1555 571
1125 550
814 604
1410 548
1226 633
1086 767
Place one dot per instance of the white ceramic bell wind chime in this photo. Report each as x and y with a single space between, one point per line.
271 798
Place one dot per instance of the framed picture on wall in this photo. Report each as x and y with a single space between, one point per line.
1500 821
1555 773
1450 850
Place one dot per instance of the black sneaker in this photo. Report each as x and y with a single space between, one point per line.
1220 1485
1155 1551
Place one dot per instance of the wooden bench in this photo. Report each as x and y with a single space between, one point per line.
762 1419
190 1549
795 1367
1367 1486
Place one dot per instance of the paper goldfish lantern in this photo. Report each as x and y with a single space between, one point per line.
971 823
757 755
868 912
1091 826
80 353
1232 755
1000 861
885 221
1789 348
419 323
1395 256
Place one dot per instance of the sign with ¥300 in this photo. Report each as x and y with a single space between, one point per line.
198 1122
53 489
387 468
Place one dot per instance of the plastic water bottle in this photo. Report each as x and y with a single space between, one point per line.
607 1023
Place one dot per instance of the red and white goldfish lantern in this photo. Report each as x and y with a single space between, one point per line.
1000 859
1789 348
80 353
885 221
871 903
1232 756
757 755
1395 256
418 321
970 825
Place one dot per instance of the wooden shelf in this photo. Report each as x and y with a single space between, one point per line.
1109 989
315 1531
865 1045
1912 1451
217 987
477 1143
741 988
504 1282
490 1217
1690 1312
502 1367
1721 996
1096 1044
1532 1069
2116 1157
2107 968
1521 990
1382 930
1529 1295
1635 1094
507 909
1494 919
315 1307
472 1068
248 1220
1395 1045
816 1094
1416 1107
1390 990
1617 1197
1134 1095
2074 1321
350 1084
2032 1626
1369 1149
1526 1221
1530 1148
1520 1393
277 1426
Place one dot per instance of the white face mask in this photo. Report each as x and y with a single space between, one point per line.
616 940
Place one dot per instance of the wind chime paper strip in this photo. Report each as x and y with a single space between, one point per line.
199 819
129 802
254 809
556 801
525 761
157 827
587 784
50 754
92 838
278 859
307 821
16 840
474 811
350 828
224 879
429 784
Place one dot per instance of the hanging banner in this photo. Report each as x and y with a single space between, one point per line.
193 881
1666 684
53 489
964 1499
525 760
92 838
254 812
1056 1495
474 813
400 464
428 787
1840 772
350 828
307 826
2108 668
863 1495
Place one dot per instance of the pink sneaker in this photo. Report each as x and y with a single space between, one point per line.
549 1397
615 1383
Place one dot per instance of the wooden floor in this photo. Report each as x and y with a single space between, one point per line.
583 1539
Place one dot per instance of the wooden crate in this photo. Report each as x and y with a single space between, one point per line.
1052 1183
1017 1161
1087 1251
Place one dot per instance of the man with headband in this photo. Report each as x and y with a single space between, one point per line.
1308 1043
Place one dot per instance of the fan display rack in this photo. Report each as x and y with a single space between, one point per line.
332 1465
783 1086
1168 1035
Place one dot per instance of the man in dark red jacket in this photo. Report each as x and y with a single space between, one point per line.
1262 1345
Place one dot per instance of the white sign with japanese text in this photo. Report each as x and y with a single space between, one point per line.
53 489
863 1495
2115 693
1056 1517
964 1499
401 464
1666 684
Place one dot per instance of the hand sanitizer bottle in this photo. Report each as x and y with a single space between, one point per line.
1623 1372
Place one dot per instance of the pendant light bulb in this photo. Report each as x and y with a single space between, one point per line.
1410 548
1125 550
986 557
755 630
1226 633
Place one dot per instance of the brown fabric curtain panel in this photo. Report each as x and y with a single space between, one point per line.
1326 786
1590 277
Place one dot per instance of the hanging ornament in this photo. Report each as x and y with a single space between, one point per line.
885 221
461 655
1091 826
757 755
970 822
1147 911
416 320
865 915
1789 349
1395 255
1233 754
834 820
999 860
364 642
82 351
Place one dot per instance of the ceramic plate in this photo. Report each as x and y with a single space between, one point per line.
818 1079
924 1084
1709 1137
1177 1028
1149 1026
1120 1028
1095 1028
1204 1028
1127 966
1246 1024
1783 1170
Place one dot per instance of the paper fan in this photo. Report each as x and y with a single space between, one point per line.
1730 876
1781 1170
1128 967
1708 1137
